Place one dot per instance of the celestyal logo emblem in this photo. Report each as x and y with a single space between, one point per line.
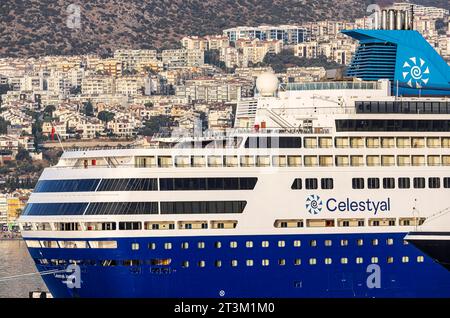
416 72
314 204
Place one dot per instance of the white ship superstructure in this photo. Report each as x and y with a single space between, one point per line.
316 182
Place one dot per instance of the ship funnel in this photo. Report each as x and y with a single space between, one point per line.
393 19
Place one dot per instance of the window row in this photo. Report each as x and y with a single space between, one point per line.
298 261
106 263
312 183
262 244
249 161
403 107
162 262
401 183
70 244
201 207
112 226
117 208
177 184
145 184
351 222
422 125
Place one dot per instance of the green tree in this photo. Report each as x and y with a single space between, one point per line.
155 124
4 126
213 57
4 88
88 108
49 109
75 90
105 116
280 62
23 155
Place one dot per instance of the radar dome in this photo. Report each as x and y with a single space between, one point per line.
267 84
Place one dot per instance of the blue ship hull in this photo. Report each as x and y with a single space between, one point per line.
398 278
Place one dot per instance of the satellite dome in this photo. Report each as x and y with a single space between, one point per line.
267 84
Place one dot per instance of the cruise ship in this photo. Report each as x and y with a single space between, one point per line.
311 194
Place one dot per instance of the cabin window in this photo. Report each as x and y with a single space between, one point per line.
311 183
341 142
294 161
326 161
403 160
404 183
357 142
342 161
310 161
372 142
325 142
388 183
358 183
419 183
388 160
326 183
373 160
356 161
403 142
418 160
135 246
434 183
434 160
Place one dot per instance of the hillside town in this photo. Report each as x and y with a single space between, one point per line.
52 102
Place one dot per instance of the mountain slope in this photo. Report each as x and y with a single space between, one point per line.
38 27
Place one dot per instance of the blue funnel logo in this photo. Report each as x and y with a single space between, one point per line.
314 204
416 72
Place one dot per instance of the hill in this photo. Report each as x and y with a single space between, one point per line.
39 27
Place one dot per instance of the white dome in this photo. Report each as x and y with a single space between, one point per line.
267 84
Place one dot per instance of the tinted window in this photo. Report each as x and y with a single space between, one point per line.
373 183
117 208
419 183
404 183
358 183
392 125
311 183
447 183
297 184
80 185
273 142
134 184
202 207
326 183
434 183
388 183
192 184
55 208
